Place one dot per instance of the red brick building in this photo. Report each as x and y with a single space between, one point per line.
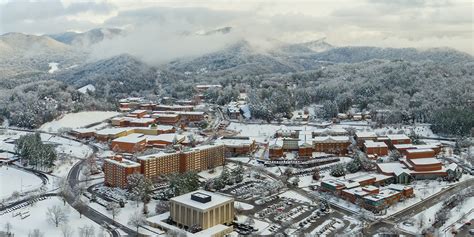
332 145
117 170
375 148
132 143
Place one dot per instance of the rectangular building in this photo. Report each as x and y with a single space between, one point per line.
202 208
117 170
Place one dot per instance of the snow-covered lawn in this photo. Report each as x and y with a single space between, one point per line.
125 213
78 120
12 179
38 219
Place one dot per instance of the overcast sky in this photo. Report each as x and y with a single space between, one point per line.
390 23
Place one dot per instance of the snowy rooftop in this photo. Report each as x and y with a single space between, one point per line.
366 134
356 191
404 146
138 111
163 115
191 113
383 194
216 199
372 144
156 155
329 139
393 167
235 142
398 137
131 138
167 137
419 150
398 187
425 161
111 131
142 120
124 163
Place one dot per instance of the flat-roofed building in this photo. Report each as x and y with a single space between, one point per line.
131 143
107 134
117 170
164 140
419 153
82 133
375 148
155 165
202 158
170 119
398 139
275 151
140 113
305 150
238 145
381 200
191 116
329 132
361 137
332 144
202 208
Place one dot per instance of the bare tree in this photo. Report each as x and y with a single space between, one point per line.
35 233
136 220
65 190
86 231
114 209
80 206
7 228
67 231
161 207
56 215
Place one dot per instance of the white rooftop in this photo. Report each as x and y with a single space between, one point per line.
216 199
131 138
397 137
419 150
425 161
167 137
329 139
111 131
366 134
372 144
124 163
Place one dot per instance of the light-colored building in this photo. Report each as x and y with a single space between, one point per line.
202 208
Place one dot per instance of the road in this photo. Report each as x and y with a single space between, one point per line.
97 217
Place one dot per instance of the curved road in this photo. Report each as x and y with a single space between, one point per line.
73 180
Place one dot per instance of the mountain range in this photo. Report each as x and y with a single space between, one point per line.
22 55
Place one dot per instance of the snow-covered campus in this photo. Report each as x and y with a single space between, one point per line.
226 118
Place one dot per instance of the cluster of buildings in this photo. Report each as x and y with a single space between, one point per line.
117 169
374 192
415 162
332 141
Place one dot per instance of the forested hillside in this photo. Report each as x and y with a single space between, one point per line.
432 85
